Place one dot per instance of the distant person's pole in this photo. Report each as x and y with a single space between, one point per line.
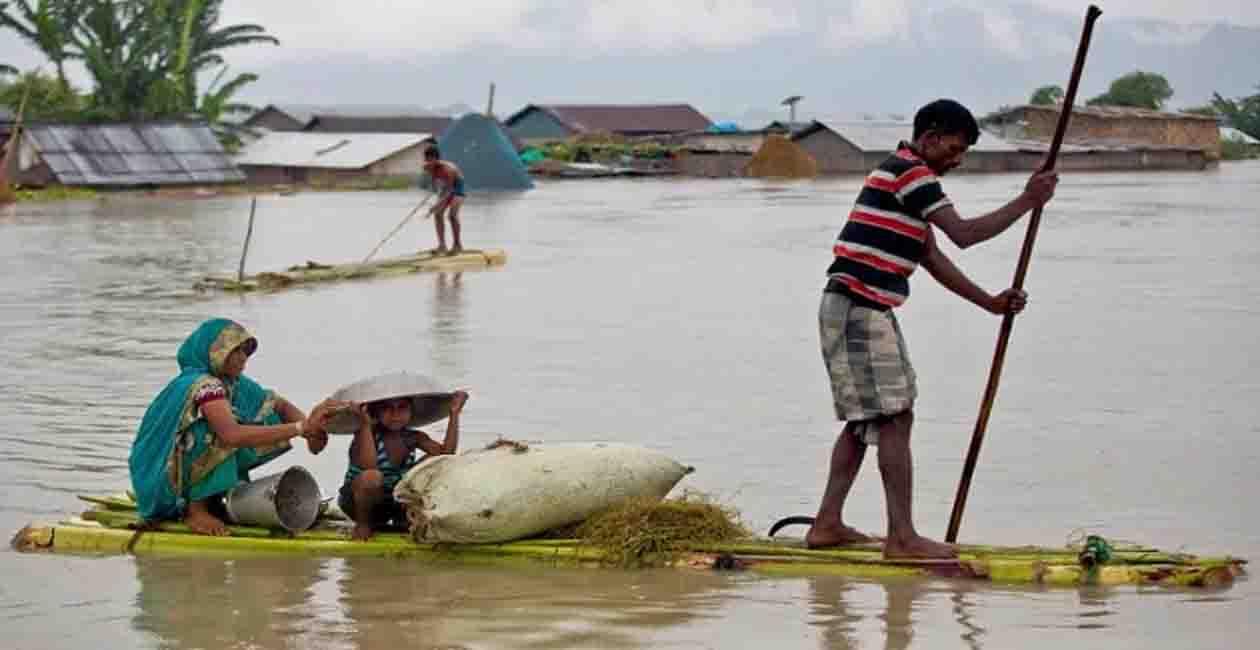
1025 255
249 232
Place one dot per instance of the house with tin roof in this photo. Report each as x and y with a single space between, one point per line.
856 147
348 118
538 123
123 155
284 157
1111 126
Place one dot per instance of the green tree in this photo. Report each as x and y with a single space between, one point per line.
144 56
1138 89
48 98
45 24
1046 96
1243 113
1208 110
7 70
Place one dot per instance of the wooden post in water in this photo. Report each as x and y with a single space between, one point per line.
1025 255
249 232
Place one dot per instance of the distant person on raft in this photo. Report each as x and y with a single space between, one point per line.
448 181
384 449
209 427
889 232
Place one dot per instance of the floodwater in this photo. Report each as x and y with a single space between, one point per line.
677 314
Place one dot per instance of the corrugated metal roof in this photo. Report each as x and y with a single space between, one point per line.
1230 133
304 113
1112 112
622 118
158 153
389 124
1097 146
325 150
872 136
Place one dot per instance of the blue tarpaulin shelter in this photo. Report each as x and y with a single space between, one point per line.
485 154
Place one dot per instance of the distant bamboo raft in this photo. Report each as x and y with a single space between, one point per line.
314 272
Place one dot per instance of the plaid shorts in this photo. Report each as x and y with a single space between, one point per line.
867 362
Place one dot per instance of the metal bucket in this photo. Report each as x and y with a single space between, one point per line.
288 500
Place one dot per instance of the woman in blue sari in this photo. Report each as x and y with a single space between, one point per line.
210 426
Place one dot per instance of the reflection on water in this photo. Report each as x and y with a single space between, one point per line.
678 315
191 602
375 603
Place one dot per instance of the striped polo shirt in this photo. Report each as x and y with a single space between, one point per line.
886 234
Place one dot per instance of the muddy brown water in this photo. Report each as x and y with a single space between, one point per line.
678 314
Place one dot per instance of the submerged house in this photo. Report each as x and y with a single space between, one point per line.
1120 137
538 123
858 147
348 119
485 154
329 158
123 155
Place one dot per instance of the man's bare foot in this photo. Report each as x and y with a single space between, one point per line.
457 249
918 548
825 536
440 250
199 519
361 533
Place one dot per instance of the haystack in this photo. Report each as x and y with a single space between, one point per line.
779 157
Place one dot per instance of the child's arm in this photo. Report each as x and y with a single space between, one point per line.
451 442
363 450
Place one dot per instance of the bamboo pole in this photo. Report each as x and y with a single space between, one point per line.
249 233
1025 255
78 536
7 194
398 227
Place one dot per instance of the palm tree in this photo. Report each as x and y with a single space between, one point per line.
201 43
44 24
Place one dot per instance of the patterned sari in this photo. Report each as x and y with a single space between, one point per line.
176 458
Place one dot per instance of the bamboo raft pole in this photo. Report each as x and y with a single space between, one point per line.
314 273
108 529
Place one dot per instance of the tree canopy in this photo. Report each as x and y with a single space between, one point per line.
1046 96
1243 113
1138 89
47 98
145 57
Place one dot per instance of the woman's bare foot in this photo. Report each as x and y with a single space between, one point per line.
361 533
825 536
199 519
918 548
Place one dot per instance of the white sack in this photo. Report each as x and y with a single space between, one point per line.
512 492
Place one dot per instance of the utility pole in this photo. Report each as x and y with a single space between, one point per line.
790 102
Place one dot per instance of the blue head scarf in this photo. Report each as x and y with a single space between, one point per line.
176 457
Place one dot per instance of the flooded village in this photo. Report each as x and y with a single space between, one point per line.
381 146
305 348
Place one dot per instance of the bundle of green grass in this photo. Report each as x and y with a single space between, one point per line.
644 531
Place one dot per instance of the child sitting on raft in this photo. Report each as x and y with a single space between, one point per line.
383 450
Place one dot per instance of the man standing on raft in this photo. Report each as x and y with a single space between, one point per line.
888 233
449 182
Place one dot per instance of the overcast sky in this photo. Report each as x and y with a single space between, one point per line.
373 51
388 28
